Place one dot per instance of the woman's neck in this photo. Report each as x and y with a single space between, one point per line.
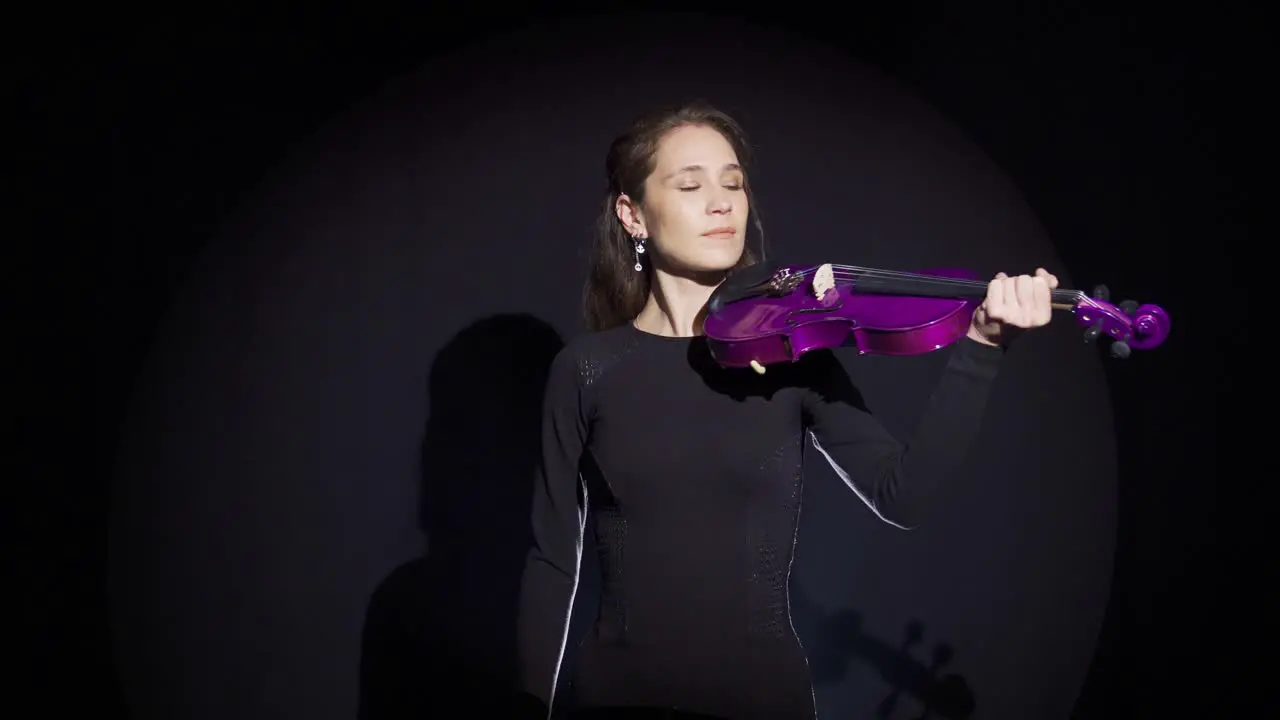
677 304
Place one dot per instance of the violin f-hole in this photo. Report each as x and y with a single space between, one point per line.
833 307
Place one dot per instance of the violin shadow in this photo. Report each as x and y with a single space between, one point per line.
737 383
440 630
817 371
834 640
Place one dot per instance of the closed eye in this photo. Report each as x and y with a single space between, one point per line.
695 188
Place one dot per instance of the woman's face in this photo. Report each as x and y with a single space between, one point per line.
695 208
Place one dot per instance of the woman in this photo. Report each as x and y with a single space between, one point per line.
692 472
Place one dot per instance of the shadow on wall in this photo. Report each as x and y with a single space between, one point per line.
833 640
440 630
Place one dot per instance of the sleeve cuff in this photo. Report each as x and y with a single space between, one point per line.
977 358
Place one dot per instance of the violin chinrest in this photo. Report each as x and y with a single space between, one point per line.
741 285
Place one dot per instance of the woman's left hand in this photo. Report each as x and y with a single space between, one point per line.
1012 305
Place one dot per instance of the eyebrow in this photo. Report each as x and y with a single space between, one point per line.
696 168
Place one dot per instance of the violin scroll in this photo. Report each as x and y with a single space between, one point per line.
1130 325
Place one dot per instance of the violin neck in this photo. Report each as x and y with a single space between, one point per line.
943 287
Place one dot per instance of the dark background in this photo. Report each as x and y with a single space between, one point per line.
1127 131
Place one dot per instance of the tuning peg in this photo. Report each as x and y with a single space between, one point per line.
1129 307
1091 333
1120 350
1102 293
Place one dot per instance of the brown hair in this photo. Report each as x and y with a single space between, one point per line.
615 291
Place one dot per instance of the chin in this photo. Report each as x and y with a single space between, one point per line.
715 261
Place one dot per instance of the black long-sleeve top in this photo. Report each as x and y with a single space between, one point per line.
692 477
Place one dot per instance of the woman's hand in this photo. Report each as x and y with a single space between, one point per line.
1013 305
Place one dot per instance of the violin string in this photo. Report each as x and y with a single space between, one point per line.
1065 296
851 271
853 274
955 282
926 280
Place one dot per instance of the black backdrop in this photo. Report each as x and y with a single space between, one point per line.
252 524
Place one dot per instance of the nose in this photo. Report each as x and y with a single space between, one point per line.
720 203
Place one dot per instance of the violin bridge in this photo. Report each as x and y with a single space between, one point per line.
824 281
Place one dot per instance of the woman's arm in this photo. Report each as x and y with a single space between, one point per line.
896 479
550 576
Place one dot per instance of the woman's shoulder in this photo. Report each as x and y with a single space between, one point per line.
600 340
589 355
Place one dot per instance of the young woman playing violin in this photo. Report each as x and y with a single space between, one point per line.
691 471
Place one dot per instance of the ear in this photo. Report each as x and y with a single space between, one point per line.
630 216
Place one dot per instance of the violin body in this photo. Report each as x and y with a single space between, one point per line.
765 315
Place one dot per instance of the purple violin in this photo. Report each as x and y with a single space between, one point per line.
763 315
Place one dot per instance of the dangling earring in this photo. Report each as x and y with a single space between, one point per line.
639 251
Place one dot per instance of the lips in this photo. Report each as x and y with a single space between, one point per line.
720 232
